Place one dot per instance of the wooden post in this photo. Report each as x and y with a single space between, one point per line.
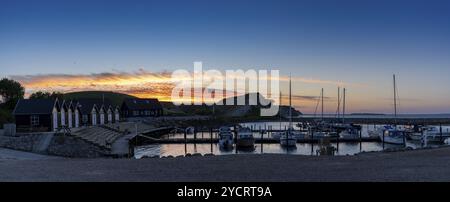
360 140
337 143
261 141
185 143
404 140
312 141
235 139
383 139
423 139
210 132
195 135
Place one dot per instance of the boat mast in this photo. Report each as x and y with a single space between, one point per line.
279 110
290 103
339 103
322 102
343 109
395 101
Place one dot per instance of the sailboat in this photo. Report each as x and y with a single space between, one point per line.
348 131
288 138
392 134
322 129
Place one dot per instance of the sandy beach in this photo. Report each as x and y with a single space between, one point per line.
419 165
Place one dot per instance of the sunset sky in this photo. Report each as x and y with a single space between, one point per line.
133 46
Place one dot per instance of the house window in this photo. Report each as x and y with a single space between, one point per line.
135 113
34 120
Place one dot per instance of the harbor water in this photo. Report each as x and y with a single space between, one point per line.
164 150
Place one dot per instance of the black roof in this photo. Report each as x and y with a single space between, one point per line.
86 105
34 106
142 104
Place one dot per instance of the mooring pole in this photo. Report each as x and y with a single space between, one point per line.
195 135
404 140
210 132
422 138
312 141
360 140
185 143
337 143
235 140
383 140
261 141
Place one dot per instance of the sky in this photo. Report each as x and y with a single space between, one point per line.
133 46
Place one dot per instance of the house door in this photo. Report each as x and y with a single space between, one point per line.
94 119
63 117
102 118
69 119
117 117
77 119
55 120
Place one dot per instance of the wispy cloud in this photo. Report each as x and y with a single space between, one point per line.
140 83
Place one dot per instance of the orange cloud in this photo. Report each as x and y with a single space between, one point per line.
140 83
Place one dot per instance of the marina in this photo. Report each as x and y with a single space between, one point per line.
206 142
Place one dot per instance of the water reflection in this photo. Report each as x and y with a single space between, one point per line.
266 148
300 149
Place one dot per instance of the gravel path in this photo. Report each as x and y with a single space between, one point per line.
421 165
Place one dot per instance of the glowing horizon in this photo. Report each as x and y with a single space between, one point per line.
132 47
146 84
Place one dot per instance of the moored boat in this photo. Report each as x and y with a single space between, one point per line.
393 136
245 137
288 139
428 133
225 137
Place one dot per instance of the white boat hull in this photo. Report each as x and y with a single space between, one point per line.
288 142
276 135
226 143
392 140
247 142
346 135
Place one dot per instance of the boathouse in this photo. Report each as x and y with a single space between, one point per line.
97 112
141 108
45 115
37 115
88 111
73 115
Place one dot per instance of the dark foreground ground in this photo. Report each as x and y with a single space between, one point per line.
420 165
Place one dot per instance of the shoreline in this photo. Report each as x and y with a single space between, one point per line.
415 165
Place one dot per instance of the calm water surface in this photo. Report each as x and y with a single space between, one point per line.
301 149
